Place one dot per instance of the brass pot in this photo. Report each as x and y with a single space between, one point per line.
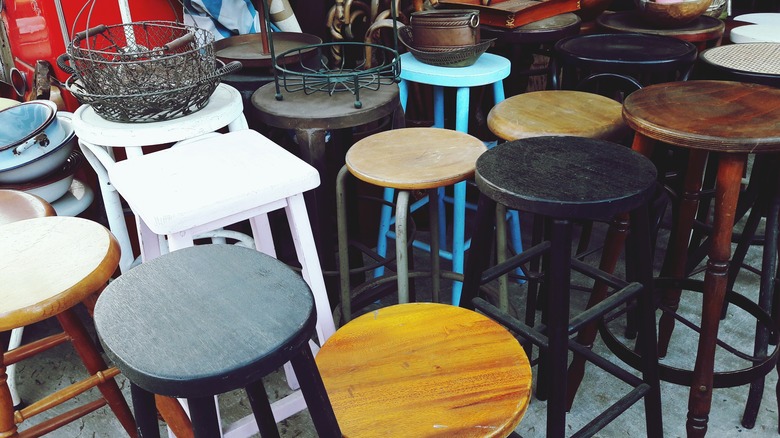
432 29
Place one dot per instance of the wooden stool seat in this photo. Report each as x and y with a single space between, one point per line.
704 31
50 264
425 369
557 112
757 63
17 205
414 158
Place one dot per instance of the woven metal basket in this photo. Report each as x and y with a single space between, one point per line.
444 56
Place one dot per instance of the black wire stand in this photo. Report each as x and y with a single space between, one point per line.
361 66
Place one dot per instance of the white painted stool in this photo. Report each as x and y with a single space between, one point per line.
218 180
755 33
225 109
768 18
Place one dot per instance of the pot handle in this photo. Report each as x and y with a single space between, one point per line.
41 138
226 69
62 63
474 21
89 32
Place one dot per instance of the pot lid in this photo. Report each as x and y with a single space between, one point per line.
24 121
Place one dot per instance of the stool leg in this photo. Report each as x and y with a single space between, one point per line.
15 341
674 262
479 254
94 364
315 394
433 211
556 357
7 423
458 237
727 188
145 412
203 411
341 223
401 254
503 281
258 399
385 220
438 107
766 290
640 268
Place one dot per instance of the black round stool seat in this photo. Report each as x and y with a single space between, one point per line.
566 177
626 52
204 320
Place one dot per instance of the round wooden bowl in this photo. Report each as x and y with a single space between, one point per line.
671 13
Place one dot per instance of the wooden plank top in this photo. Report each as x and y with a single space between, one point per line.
557 112
701 29
415 158
16 205
711 115
50 264
425 369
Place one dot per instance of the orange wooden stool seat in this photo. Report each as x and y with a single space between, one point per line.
49 265
425 369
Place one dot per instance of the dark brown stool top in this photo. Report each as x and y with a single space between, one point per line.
704 31
751 62
733 119
542 31
17 205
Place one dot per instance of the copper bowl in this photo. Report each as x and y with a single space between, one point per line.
438 28
671 13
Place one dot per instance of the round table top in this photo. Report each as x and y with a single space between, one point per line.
321 110
760 18
755 33
16 205
542 31
488 69
224 106
204 320
758 62
711 115
557 112
704 28
50 264
425 369
415 158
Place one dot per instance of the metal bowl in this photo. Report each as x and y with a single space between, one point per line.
671 13
37 161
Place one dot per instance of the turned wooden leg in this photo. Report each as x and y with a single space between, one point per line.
7 423
614 243
727 188
94 364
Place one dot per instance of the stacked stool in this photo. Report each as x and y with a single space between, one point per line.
215 181
567 179
489 70
405 160
50 265
247 313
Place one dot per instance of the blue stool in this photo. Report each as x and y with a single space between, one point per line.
488 70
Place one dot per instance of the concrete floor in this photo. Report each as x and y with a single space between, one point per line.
55 368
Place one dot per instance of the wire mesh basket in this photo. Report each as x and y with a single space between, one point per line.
141 57
452 56
151 106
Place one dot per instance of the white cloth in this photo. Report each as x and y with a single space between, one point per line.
225 18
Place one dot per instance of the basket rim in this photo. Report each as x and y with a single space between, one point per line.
437 57
71 85
74 47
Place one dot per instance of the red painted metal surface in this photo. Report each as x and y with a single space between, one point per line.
35 31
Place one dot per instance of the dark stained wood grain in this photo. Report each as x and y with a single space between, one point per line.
712 115
707 30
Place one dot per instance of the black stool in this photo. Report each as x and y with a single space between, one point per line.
206 320
567 179
611 63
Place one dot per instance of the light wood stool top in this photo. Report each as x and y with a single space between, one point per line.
415 158
16 205
425 369
50 264
557 112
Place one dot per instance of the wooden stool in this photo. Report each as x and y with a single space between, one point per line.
423 370
50 265
558 112
489 71
405 159
568 179
210 319
704 32
17 206
733 120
